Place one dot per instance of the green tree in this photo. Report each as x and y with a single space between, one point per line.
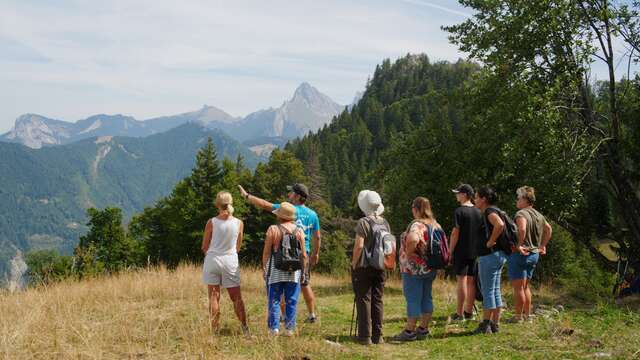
47 266
106 247
548 47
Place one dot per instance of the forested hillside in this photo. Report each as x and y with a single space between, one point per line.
44 193
421 128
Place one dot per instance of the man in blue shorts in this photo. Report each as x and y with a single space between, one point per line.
308 221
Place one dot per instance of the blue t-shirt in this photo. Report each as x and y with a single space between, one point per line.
307 220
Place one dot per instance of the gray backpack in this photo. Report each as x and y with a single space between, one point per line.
380 254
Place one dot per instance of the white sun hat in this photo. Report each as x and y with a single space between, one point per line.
370 202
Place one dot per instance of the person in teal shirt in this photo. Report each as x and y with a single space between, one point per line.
308 221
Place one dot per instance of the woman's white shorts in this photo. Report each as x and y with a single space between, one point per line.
221 270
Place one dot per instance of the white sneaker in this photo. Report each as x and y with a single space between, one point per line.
289 333
274 332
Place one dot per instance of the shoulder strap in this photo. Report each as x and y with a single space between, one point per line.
284 231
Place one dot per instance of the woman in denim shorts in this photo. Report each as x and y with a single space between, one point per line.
534 232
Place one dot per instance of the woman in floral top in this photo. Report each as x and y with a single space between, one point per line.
417 277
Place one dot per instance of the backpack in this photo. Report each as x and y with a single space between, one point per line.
288 255
381 254
509 238
436 252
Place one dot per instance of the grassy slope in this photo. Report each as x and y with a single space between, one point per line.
162 314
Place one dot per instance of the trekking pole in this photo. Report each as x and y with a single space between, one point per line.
353 312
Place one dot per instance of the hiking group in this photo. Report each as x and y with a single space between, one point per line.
483 240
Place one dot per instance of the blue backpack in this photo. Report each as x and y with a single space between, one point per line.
436 253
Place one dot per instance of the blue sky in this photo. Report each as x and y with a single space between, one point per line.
71 59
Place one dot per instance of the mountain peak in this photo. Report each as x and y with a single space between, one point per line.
305 90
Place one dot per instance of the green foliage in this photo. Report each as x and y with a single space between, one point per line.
172 230
44 193
547 48
333 255
400 97
570 265
106 247
458 123
269 182
47 266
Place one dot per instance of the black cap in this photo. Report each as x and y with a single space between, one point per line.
464 189
299 189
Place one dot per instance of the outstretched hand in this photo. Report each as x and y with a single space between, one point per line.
243 192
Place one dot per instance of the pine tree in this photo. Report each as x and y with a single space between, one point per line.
207 174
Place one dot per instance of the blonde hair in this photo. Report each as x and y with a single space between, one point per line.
528 193
224 201
423 205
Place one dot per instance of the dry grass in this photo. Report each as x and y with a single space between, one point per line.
146 314
160 314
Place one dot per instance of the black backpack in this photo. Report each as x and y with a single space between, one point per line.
509 238
288 255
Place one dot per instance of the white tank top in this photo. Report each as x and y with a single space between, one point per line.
224 236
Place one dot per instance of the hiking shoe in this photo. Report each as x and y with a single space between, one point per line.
405 335
456 317
421 333
514 320
495 328
274 332
483 328
245 331
364 341
311 319
530 318
468 316
289 333
378 341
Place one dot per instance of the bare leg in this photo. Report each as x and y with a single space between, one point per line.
425 320
238 304
461 290
519 297
526 309
214 306
411 324
495 315
470 297
309 299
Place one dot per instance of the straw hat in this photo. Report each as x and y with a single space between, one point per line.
370 202
286 211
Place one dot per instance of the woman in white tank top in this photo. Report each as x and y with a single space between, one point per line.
221 242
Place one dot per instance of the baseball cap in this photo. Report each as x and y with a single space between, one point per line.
299 189
464 189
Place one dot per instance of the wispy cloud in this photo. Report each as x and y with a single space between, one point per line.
447 9
151 57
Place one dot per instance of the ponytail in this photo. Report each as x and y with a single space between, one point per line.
224 201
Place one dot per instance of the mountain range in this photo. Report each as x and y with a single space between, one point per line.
307 110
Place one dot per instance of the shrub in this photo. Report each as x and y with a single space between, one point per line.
46 266
333 254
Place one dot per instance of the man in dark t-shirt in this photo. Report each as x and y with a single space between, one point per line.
466 234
